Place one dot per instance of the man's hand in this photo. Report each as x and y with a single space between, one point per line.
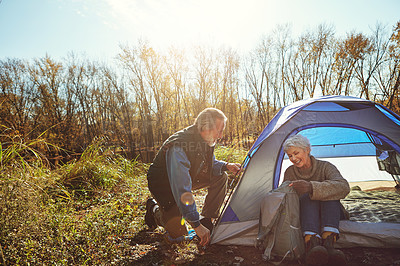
203 233
302 186
233 167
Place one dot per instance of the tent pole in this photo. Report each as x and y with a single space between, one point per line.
396 179
231 187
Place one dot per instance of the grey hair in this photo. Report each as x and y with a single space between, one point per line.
299 141
207 119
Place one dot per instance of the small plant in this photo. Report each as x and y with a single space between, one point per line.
230 154
97 169
16 151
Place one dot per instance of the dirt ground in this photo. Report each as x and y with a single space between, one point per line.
152 249
235 255
163 253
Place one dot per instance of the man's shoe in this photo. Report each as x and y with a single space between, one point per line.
207 222
336 257
149 216
315 253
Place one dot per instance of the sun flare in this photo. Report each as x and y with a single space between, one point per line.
188 23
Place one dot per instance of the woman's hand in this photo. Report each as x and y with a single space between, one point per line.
302 186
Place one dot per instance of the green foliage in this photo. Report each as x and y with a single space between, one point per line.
15 151
45 220
232 154
86 212
97 169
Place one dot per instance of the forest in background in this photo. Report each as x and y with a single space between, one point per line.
145 95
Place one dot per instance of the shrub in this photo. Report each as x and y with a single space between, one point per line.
45 220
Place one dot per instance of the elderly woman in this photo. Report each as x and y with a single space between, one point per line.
320 187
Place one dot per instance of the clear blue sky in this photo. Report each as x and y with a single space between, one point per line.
33 28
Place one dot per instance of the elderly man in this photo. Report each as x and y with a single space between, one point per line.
186 162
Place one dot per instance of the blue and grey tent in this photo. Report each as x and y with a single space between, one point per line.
360 137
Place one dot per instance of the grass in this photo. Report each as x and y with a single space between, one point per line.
86 212
230 153
90 212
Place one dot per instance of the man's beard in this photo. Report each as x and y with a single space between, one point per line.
211 142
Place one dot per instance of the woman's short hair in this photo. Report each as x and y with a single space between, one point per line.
207 119
296 141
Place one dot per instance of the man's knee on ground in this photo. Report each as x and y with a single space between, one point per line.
175 227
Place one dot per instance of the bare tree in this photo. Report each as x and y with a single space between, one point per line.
203 76
178 68
319 54
17 96
229 62
80 82
132 61
372 56
387 75
47 76
283 44
254 76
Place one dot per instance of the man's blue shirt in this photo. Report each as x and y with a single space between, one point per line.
178 167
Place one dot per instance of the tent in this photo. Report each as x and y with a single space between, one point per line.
357 135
